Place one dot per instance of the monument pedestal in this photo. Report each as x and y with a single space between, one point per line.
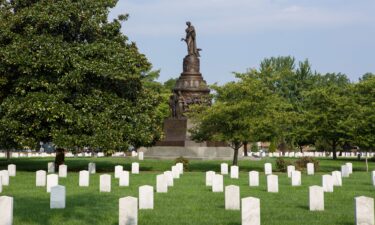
177 143
176 131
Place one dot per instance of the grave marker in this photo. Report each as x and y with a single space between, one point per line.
40 179
84 178
316 198
232 197
6 210
234 172
128 211
364 210
57 198
146 197
105 183
250 212
253 178
272 183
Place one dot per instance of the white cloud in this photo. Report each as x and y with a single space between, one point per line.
165 17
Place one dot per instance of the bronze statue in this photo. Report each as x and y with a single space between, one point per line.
172 105
190 40
181 107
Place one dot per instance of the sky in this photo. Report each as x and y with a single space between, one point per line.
236 35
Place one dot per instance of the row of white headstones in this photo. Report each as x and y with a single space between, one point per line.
250 212
128 206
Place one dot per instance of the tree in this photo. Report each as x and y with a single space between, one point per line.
364 117
330 110
242 110
69 76
290 81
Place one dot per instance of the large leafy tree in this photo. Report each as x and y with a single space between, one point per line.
331 110
242 110
289 79
363 123
69 76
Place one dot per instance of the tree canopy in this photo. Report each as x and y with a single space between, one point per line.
288 104
69 76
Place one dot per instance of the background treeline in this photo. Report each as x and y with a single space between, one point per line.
291 106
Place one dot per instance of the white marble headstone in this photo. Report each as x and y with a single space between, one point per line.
161 184
272 183
1 185
345 171
310 169
169 178
118 170
180 167
92 168
218 183
40 179
253 178
234 172
290 169
316 198
224 168
327 182
364 210
105 183
350 167
337 178
250 212
232 197
140 155
128 211
51 167
63 171
6 210
146 197
58 196
12 170
268 168
84 178
4 175
124 179
135 168
296 178
209 177
373 177
52 180
175 172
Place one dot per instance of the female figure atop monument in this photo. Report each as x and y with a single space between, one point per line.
191 40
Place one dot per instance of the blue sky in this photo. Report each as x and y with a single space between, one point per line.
335 35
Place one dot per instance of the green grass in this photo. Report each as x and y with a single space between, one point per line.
188 202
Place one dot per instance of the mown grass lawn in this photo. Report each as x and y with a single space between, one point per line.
189 201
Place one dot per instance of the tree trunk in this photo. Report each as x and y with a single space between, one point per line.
334 154
245 148
235 155
60 157
8 155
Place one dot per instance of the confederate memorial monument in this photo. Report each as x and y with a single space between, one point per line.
190 89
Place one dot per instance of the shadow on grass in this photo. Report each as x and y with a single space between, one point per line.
80 209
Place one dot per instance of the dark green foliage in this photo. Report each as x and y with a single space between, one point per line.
184 161
282 164
301 163
69 76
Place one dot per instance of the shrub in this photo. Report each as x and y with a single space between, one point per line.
281 164
184 161
301 163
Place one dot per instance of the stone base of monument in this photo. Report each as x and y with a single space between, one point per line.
177 142
173 152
